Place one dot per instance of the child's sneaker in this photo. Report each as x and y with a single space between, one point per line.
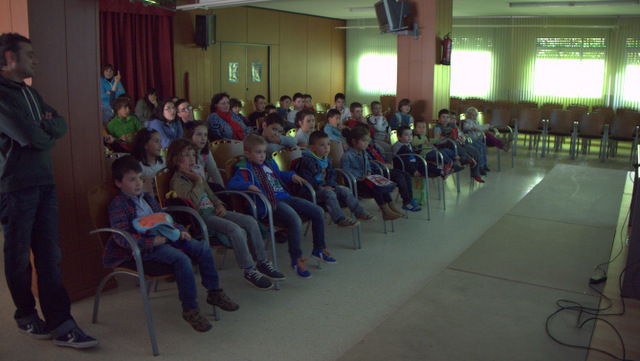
267 269
300 268
76 339
35 328
323 255
414 202
196 320
366 217
347 223
256 279
411 207
220 299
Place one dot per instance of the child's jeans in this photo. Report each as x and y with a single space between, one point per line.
182 267
288 212
402 180
331 200
244 233
365 191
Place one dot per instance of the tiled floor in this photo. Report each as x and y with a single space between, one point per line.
326 316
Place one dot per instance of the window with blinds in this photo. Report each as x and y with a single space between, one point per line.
632 71
570 67
471 67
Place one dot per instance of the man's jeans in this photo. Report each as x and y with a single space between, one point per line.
29 220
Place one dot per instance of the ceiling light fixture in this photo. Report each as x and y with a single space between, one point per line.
207 4
541 4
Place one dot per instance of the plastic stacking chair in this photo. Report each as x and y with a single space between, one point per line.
99 199
224 149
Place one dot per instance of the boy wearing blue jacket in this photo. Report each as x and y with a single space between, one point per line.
256 173
316 168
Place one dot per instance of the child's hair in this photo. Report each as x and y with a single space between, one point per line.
141 139
354 134
258 97
284 97
234 102
402 129
443 111
215 100
403 102
175 149
180 101
158 113
300 116
124 165
471 111
121 102
190 129
317 136
151 91
269 107
308 96
253 140
338 96
298 96
11 42
273 118
354 105
104 68
375 102
419 121
452 113
332 113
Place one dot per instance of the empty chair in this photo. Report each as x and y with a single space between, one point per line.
624 128
546 109
561 125
515 110
607 112
578 110
592 126
529 122
223 150
499 118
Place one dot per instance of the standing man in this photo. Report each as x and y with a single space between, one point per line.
28 201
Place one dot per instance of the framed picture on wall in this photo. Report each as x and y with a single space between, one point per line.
256 72
234 71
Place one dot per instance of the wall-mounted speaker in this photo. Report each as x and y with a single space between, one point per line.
205 30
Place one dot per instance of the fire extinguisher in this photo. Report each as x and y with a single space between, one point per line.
446 50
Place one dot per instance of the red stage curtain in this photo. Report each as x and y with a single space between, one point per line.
138 41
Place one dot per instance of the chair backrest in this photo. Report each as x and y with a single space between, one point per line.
561 120
230 163
321 120
591 124
393 136
285 156
578 110
336 150
199 114
259 122
322 107
388 102
522 105
108 161
292 132
500 116
624 126
546 109
366 109
626 110
162 179
607 113
224 149
99 199
529 119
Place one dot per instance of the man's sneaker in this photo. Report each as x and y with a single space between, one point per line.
323 255
256 279
366 217
411 207
220 299
347 223
76 339
300 268
35 328
267 269
196 320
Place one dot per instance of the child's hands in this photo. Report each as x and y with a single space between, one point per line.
123 138
159 239
254 188
297 179
221 210
185 236
109 139
191 174
416 174
117 77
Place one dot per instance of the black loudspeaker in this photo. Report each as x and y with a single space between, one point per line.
205 30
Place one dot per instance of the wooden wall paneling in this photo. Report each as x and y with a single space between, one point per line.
6 25
338 61
207 75
233 53
293 53
198 76
318 59
263 26
231 24
19 16
256 54
274 83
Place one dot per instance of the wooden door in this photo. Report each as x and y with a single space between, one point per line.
257 73
233 68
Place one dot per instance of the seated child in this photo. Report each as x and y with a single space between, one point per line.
356 116
206 166
285 103
236 106
256 173
240 228
379 123
305 123
272 131
130 204
308 103
270 109
298 103
355 162
411 165
339 101
423 146
479 145
147 149
334 126
447 133
259 105
402 116
123 127
315 166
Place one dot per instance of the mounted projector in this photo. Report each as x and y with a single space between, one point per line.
391 15
165 4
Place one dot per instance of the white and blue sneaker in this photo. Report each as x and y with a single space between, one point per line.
323 255
300 268
412 207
